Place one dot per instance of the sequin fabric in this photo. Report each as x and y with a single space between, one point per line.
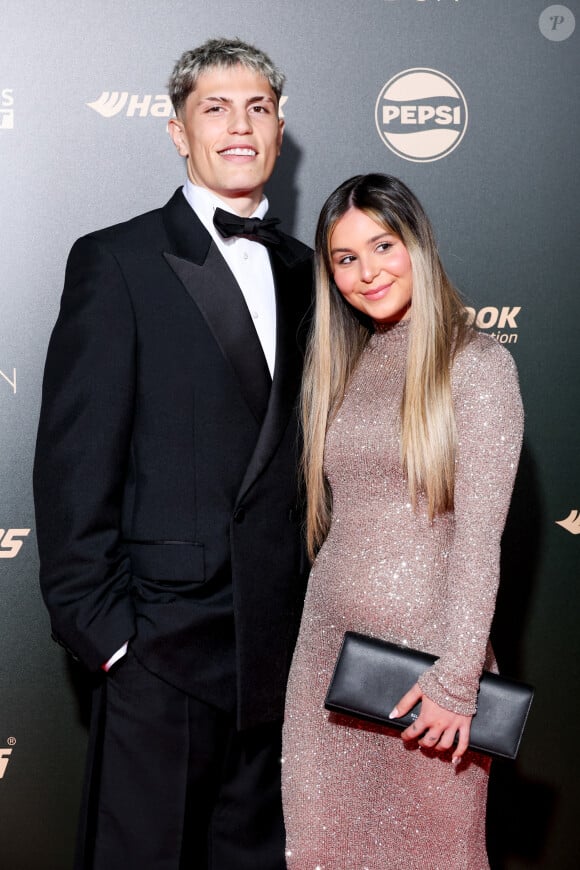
355 797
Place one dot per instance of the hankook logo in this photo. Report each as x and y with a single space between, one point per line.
421 115
503 321
112 103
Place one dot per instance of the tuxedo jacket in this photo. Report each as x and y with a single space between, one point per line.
165 476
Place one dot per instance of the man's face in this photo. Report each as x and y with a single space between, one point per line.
230 133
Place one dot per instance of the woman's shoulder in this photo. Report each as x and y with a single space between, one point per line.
485 382
483 367
481 351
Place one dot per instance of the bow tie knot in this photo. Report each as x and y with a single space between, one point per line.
258 230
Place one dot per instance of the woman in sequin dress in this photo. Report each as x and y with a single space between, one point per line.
413 426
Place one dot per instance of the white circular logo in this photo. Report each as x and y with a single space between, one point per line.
557 23
421 115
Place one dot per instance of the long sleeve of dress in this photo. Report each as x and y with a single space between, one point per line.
489 420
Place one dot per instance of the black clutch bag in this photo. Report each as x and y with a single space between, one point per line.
371 676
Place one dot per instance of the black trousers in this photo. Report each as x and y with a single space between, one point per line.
172 785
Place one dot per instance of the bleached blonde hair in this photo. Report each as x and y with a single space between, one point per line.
339 334
224 54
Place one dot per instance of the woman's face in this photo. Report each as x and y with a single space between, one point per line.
371 267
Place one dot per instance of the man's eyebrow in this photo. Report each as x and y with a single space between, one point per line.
259 98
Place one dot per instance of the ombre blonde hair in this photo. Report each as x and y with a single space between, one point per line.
339 334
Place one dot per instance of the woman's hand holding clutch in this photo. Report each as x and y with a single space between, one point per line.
435 727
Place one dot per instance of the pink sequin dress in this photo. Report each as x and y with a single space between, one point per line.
355 797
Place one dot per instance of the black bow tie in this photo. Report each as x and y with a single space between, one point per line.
258 230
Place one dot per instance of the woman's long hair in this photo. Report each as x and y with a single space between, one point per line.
339 334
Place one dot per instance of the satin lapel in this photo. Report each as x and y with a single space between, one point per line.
287 372
207 278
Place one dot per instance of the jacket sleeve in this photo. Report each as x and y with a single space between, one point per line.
489 419
82 457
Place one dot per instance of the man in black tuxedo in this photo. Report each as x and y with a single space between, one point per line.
168 512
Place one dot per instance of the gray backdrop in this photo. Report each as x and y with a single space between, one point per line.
502 103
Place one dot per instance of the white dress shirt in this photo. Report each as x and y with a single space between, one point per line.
249 263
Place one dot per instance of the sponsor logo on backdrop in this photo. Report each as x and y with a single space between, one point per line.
571 523
5 754
502 320
6 379
11 542
421 115
557 23
6 109
112 103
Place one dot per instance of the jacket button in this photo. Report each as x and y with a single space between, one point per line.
239 515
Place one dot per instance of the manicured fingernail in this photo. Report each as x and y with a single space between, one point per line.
394 714
456 759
